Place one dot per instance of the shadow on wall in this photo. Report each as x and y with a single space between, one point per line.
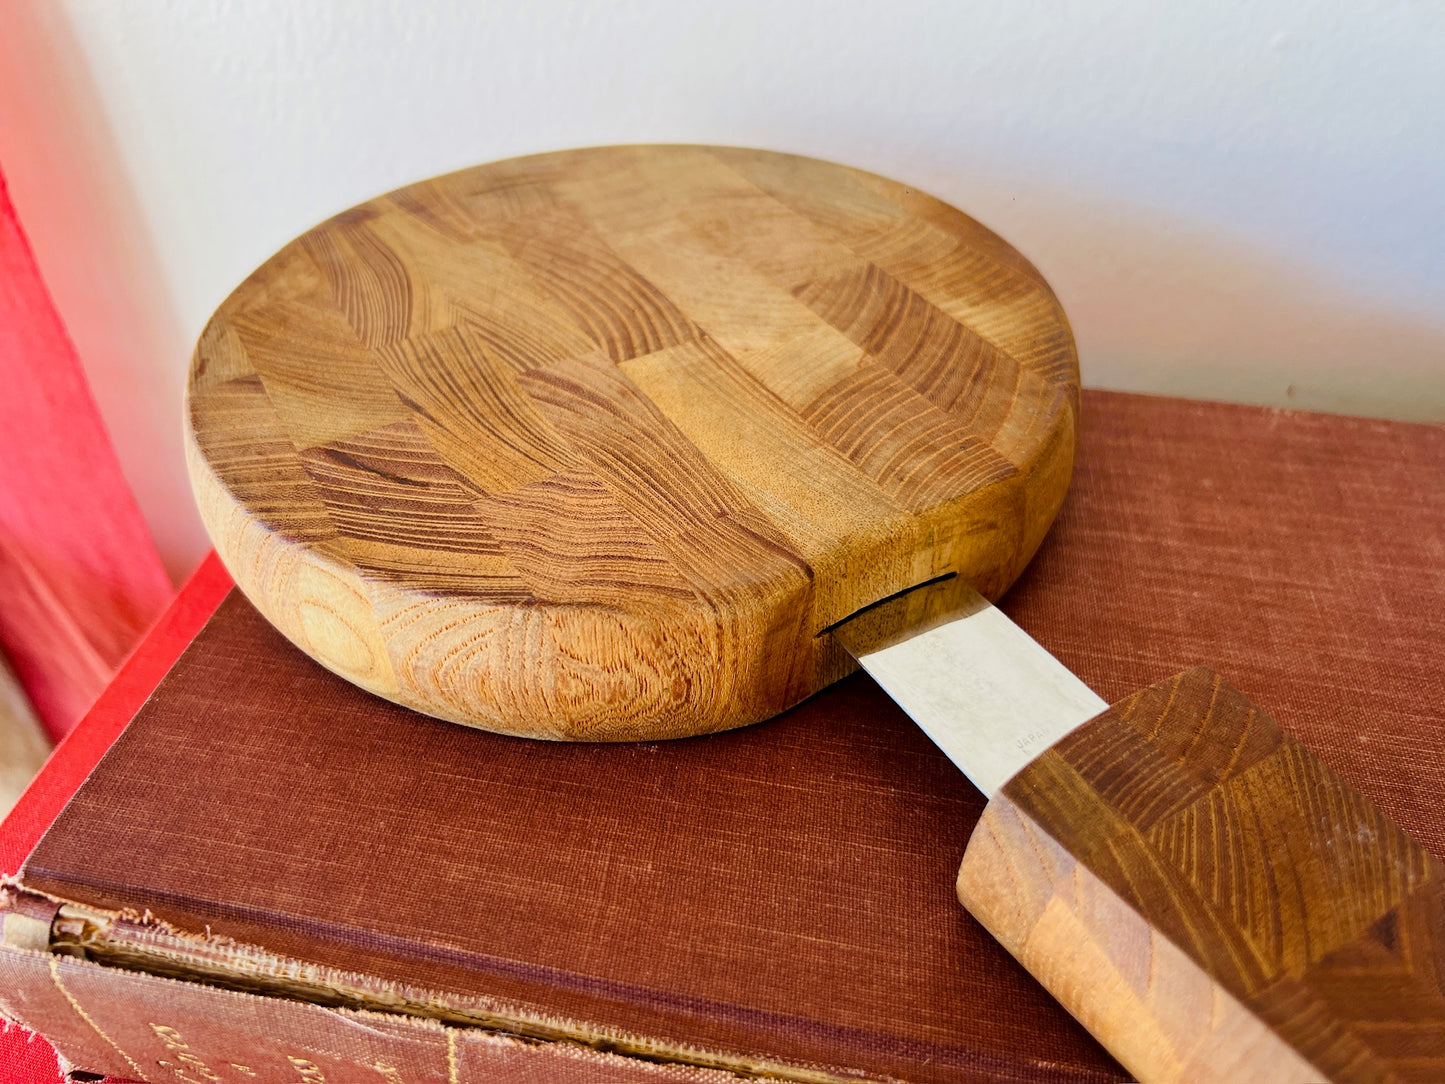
1174 309
1157 305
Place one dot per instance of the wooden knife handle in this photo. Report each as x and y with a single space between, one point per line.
1212 902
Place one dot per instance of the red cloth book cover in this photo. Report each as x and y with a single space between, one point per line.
274 873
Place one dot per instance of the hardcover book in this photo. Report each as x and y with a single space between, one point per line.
274 876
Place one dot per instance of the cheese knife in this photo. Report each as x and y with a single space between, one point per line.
1206 896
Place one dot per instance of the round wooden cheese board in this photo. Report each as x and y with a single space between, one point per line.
596 444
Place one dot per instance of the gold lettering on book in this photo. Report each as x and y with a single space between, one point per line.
189 1063
390 1072
310 1072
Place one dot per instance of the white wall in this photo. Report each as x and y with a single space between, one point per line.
1234 200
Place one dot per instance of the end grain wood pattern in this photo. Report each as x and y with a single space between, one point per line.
592 445
1214 903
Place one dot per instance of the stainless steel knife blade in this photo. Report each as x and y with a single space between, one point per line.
983 689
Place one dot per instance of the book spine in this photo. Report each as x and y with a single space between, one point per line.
138 1026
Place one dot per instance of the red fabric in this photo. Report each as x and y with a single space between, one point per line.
80 577
25 1059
